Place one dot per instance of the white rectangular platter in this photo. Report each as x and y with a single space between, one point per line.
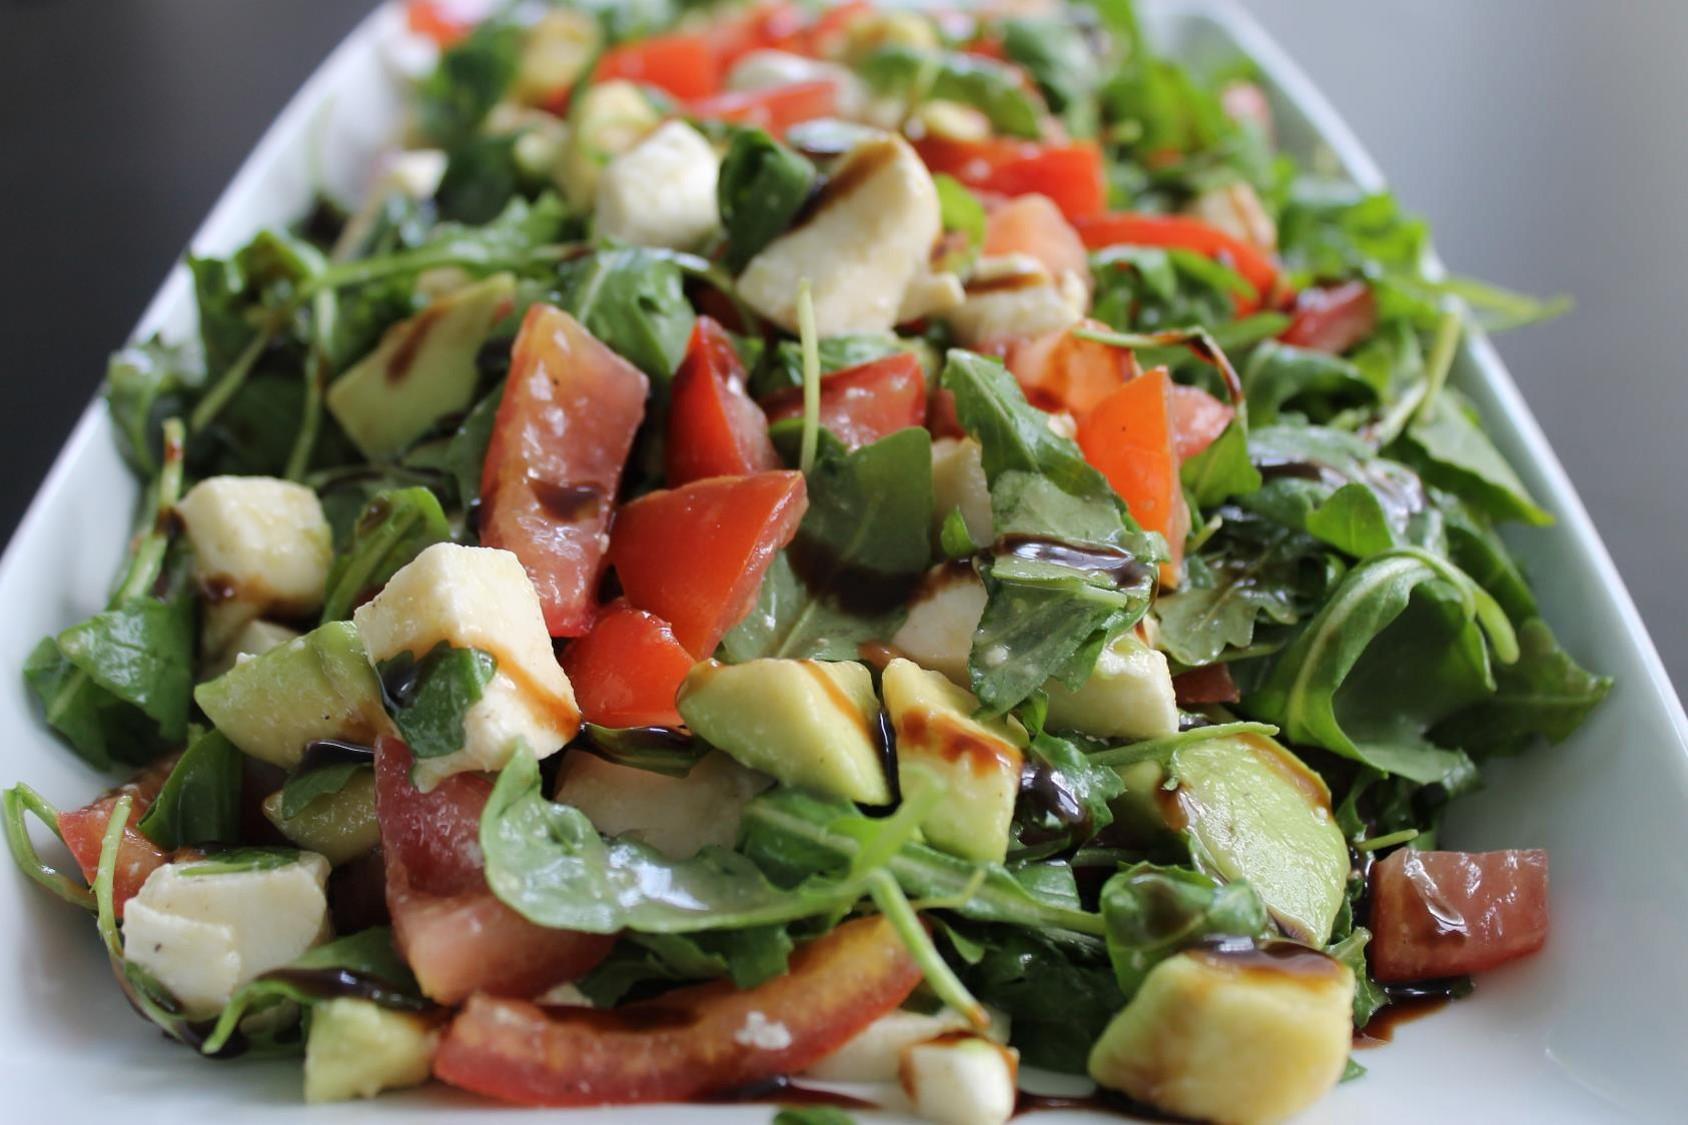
1591 1030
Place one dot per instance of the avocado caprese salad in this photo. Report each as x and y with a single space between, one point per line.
826 544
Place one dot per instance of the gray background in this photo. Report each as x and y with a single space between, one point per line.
1543 138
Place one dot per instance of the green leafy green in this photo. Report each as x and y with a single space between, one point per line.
1058 55
145 384
200 800
781 367
1058 991
748 957
634 301
465 456
917 74
813 1115
1453 452
963 214
1222 470
470 79
1353 521
1278 376
15 804
1368 994
762 186
392 530
656 750
1153 912
1543 694
306 786
428 698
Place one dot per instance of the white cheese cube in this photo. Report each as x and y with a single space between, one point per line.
938 631
661 192
1128 695
876 1051
1014 297
958 481
961 1080
260 542
253 638
204 932
867 238
677 816
480 598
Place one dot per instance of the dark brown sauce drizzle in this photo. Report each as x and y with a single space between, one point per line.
569 503
1121 567
885 737
864 162
335 983
1102 1101
1057 813
334 752
1007 283
1408 1002
856 589
783 1091
410 345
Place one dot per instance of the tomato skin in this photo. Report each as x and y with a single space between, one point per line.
1033 225
775 109
684 1044
685 66
1211 683
563 430
84 831
433 20
628 669
1332 319
1126 228
1443 914
864 403
457 937
1064 371
1197 420
1128 437
1072 175
714 429
695 555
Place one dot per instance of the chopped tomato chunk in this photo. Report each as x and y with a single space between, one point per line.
769 26
1444 914
1071 174
1332 319
862 404
627 670
84 831
1062 370
683 65
714 429
1129 438
570 410
1125 228
1211 683
775 109
1197 420
695 555
435 20
687 1043
1034 226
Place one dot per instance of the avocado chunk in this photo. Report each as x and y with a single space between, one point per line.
1232 1035
318 686
609 119
357 1049
809 723
1128 695
422 370
975 762
339 826
1249 809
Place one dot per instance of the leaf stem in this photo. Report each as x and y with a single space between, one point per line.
1387 841
811 376
894 905
231 380
16 802
106 875
147 561
1155 747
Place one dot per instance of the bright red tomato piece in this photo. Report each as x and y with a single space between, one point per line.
695 555
1128 437
771 26
682 65
1197 420
1332 319
1211 683
457 937
437 21
862 404
1034 226
627 670
84 831
775 109
687 1043
1063 371
714 429
1071 174
1128 229
1444 914
564 428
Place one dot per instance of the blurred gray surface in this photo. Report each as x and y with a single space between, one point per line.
1545 140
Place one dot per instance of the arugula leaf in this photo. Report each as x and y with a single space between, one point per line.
393 529
781 367
480 179
428 698
1080 786
200 800
762 187
1057 54
465 456
1477 550
1369 996
469 80
145 384
1153 912
961 213
1352 520
1149 289
748 957
988 86
1278 376
1058 992
241 861
1544 694
1452 451
1222 470
656 750
306 786
813 1115
16 804
634 301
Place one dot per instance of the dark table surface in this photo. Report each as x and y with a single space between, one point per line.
1543 138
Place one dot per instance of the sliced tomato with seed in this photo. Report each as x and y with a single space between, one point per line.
695 555
627 670
84 832
862 404
560 439
714 428
1445 914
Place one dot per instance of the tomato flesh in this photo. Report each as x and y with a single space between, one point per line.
1063 371
628 669
695 555
563 430
1444 914
862 404
1211 683
775 109
1332 319
84 832
1033 225
685 66
687 1043
457 937
1197 420
1071 174
714 429
1125 228
1128 437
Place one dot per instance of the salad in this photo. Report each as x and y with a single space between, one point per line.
788 546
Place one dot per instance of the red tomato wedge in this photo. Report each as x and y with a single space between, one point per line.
862 404
683 65
1129 438
84 831
1211 683
1071 175
1034 226
456 936
775 109
1127 229
1332 319
776 26
627 670
1444 914
437 21
695 555
1064 371
687 1043
714 429
564 428
1197 420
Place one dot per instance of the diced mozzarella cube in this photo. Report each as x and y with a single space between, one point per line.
661 192
766 69
413 174
875 1052
204 933
252 639
938 631
958 482
961 1080
676 815
259 544
930 294
1014 297
1129 695
867 239
480 598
